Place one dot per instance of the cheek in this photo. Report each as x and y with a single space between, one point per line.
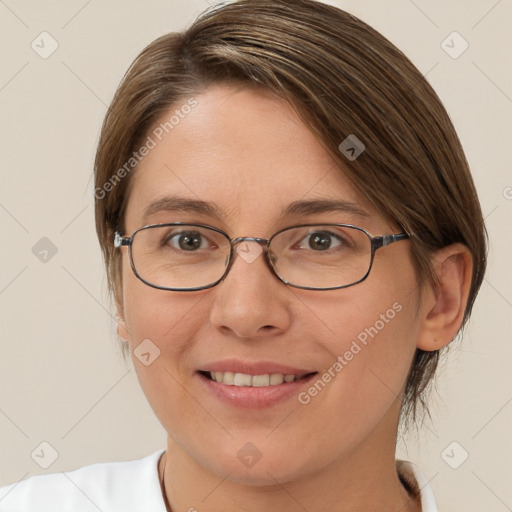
158 323
371 351
153 313
160 326
383 342
381 326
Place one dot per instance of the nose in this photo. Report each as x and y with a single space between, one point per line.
251 302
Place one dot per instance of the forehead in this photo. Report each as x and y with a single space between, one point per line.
243 151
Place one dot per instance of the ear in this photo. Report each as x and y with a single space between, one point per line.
122 330
444 303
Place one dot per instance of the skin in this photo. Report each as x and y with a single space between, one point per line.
247 151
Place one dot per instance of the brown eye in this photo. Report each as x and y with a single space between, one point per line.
189 241
321 241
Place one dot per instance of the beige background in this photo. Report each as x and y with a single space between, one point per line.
63 379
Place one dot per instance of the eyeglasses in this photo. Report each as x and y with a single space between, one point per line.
189 257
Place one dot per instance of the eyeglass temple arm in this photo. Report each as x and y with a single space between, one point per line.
120 241
382 241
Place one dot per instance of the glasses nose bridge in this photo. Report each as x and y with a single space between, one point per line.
261 241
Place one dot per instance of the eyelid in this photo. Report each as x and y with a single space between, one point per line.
176 227
211 237
336 232
165 217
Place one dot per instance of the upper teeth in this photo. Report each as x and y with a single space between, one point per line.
243 379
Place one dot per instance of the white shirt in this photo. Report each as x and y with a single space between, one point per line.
132 486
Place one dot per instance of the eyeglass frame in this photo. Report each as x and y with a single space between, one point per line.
376 243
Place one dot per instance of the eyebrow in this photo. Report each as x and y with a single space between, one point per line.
303 207
312 207
177 204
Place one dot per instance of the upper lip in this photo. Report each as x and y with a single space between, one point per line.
253 367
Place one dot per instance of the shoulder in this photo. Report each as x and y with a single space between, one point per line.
110 487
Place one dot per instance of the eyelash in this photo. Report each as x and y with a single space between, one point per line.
343 241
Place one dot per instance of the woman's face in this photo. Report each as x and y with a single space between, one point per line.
246 152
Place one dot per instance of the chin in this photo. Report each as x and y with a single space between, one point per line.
259 468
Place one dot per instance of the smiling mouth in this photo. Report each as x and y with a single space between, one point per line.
247 380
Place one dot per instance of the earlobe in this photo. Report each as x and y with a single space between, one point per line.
445 301
122 330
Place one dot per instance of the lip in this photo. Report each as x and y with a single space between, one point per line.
247 397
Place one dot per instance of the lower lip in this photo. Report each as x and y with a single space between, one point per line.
254 397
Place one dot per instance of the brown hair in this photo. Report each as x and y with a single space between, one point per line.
342 77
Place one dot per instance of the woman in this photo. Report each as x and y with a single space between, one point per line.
291 235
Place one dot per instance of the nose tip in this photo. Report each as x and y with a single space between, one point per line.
245 305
